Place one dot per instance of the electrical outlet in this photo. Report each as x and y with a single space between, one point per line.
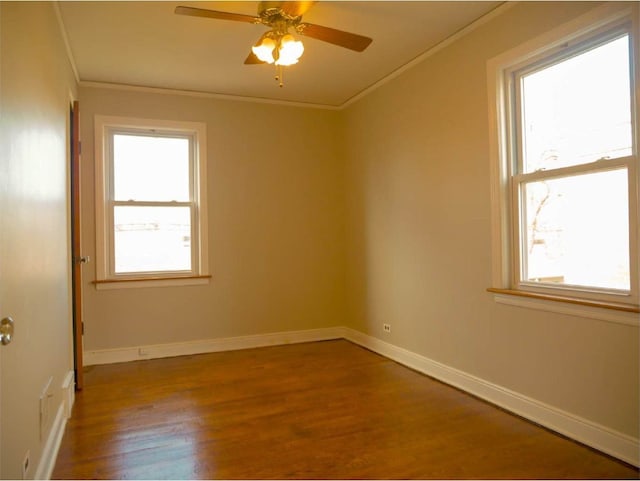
142 351
386 327
25 465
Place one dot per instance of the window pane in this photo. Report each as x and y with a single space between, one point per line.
577 231
150 239
578 110
150 168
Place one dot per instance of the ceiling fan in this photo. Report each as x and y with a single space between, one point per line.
278 45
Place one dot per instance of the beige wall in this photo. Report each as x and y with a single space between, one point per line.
276 234
419 237
380 213
376 214
36 82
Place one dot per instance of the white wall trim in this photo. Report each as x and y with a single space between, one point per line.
154 351
65 38
597 313
51 447
208 95
54 439
616 444
503 221
105 128
419 59
499 10
600 437
69 393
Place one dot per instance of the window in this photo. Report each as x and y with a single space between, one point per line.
150 201
565 182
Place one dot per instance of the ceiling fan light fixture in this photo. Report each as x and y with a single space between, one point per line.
278 46
289 51
264 49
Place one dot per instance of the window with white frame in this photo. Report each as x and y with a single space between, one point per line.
150 200
565 183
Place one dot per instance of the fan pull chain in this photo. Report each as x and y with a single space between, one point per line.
280 75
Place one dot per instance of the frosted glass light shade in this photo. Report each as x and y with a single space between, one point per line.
264 51
290 50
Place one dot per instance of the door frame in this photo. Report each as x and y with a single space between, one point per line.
76 253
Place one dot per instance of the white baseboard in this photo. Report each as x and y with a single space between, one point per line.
137 353
68 393
616 444
52 445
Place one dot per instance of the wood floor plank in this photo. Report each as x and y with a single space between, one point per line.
325 410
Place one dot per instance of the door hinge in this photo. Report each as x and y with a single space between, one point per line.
79 147
82 325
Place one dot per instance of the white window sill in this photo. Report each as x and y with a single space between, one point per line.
106 284
626 314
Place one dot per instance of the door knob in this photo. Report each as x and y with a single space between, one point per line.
83 259
6 330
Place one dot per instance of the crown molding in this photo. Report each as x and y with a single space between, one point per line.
195 93
500 9
65 38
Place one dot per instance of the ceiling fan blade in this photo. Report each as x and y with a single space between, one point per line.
296 9
348 40
252 59
292 8
202 12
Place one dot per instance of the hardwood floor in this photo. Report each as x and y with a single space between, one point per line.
317 410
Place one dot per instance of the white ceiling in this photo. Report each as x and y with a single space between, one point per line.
146 44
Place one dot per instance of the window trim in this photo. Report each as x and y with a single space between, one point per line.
106 278
591 27
578 292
